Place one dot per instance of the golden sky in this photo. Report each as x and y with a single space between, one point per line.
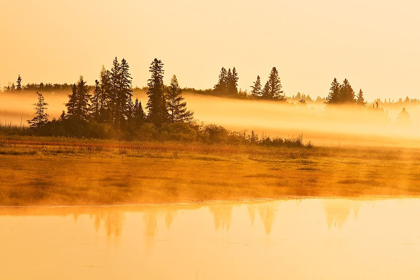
375 44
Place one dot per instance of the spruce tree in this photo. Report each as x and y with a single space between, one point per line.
156 104
232 82
346 95
403 118
41 116
221 87
176 105
139 115
114 90
272 89
360 99
96 102
124 95
256 91
78 105
19 83
334 94
105 97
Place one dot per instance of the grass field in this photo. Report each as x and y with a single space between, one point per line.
60 171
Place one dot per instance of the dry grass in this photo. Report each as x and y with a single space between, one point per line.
38 171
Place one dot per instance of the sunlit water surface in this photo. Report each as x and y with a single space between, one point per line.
290 239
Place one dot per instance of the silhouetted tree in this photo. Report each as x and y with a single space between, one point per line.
334 94
256 91
177 109
221 86
232 82
105 96
346 93
19 83
114 90
78 105
272 88
403 118
360 99
156 104
96 102
124 95
41 116
139 115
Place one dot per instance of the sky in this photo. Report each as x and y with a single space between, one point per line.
374 44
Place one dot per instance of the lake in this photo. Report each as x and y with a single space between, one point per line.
267 239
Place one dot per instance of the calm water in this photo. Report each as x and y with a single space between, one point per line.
291 239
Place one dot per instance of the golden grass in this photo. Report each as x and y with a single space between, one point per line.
38 171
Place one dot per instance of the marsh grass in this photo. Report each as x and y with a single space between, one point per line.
58 171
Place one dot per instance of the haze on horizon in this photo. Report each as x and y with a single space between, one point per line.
374 44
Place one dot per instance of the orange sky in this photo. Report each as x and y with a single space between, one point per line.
375 44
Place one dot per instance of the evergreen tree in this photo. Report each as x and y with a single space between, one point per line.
78 105
139 115
114 90
156 104
124 95
176 105
221 86
232 82
272 89
346 93
334 94
105 96
256 91
403 118
19 83
360 99
41 116
96 102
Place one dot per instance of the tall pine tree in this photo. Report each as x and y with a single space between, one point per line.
272 88
177 109
256 91
156 105
41 116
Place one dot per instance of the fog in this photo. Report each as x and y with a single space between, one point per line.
320 124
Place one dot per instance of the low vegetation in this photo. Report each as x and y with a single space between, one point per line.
63 171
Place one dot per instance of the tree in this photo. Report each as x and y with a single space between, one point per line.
105 96
41 116
96 102
114 90
78 105
272 88
177 109
334 94
221 86
256 91
19 83
360 99
232 82
138 114
156 104
403 118
346 93
124 95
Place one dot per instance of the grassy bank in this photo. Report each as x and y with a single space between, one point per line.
61 171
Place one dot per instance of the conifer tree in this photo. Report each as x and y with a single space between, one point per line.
114 90
256 91
139 115
124 95
78 105
96 102
105 97
403 118
41 116
176 105
221 86
19 83
334 94
346 93
360 99
232 82
156 104
272 89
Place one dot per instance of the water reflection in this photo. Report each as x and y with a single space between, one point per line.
289 239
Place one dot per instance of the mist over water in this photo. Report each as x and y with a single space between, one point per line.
318 123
